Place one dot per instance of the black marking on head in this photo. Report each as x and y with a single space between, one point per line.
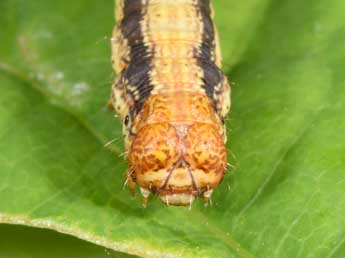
126 121
136 73
222 118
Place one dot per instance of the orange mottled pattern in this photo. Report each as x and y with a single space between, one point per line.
178 150
153 150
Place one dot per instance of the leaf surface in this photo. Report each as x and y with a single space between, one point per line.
285 196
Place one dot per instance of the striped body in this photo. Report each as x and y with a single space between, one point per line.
171 96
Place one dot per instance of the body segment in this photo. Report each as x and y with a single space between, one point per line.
171 96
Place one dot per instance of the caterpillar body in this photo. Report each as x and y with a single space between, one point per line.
171 96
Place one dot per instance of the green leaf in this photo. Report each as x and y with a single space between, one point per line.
26 242
286 195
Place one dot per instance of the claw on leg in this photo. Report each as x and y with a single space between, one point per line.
145 193
130 182
207 197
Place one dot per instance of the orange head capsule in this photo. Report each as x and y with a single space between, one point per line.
178 151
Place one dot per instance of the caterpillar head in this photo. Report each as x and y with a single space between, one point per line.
178 154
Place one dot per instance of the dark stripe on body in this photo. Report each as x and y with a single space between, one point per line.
137 72
212 74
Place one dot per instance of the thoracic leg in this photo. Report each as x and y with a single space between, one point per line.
145 193
130 182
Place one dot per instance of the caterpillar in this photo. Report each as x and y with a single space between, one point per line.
171 96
